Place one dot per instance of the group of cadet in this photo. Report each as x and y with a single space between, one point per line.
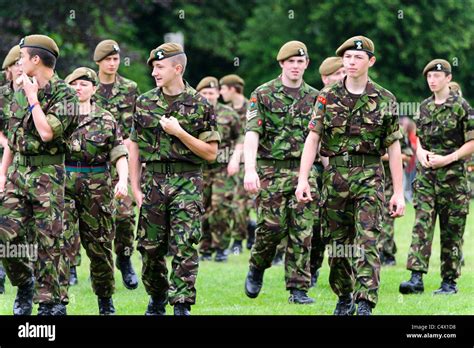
81 155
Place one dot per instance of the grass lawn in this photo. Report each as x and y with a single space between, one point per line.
220 286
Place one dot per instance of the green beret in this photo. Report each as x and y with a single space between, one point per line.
358 43
232 79
437 65
104 49
83 73
291 49
164 51
11 57
207 82
40 41
330 65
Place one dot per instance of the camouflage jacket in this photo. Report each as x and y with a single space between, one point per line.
443 129
6 96
97 139
59 104
369 128
242 112
194 115
228 126
121 103
280 120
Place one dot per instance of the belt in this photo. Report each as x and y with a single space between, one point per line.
172 167
84 167
214 165
39 160
353 160
280 164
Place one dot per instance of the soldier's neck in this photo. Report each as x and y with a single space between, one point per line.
356 85
43 75
238 101
106 78
85 107
290 83
175 87
442 95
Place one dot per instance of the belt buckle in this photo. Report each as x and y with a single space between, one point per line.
167 168
347 159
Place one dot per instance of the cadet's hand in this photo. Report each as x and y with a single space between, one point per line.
121 189
251 181
438 161
233 167
138 195
3 181
423 157
303 192
397 202
30 88
171 125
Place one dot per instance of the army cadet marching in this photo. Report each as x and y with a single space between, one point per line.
12 68
174 134
445 130
219 185
118 95
331 70
41 119
95 145
354 121
277 116
232 92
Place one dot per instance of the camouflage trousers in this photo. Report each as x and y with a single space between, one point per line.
318 243
445 193
352 201
32 213
171 213
88 206
124 221
219 202
386 244
279 215
244 204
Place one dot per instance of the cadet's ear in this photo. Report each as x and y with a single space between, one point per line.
281 64
325 79
449 77
372 61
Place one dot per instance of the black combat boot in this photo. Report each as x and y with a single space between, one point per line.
251 226
206 257
345 305
314 278
156 306
106 305
254 282
387 260
73 276
129 277
364 308
448 287
182 309
23 304
414 285
220 256
2 279
54 309
299 297
236 248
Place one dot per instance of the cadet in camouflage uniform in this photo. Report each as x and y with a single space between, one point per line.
40 120
277 116
355 122
95 145
174 134
445 129
386 244
232 92
220 187
331 71
117 95
12 70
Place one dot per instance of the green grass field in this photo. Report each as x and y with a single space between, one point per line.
220 287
